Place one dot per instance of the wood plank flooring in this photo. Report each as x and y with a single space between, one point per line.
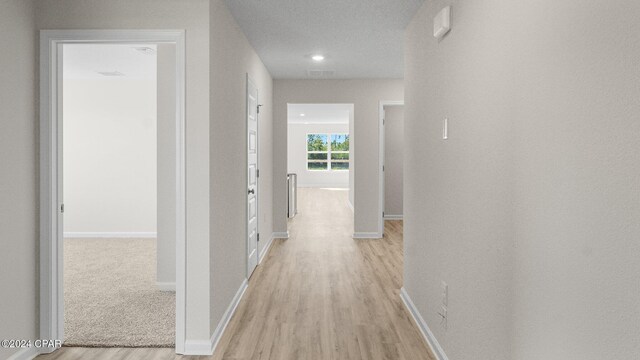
318 295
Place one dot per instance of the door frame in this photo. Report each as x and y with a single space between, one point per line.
51 238
257 195
381 149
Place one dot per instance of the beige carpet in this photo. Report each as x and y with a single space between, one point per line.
110 295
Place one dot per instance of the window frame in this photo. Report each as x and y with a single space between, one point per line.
328 161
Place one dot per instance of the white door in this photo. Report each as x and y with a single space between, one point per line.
252 174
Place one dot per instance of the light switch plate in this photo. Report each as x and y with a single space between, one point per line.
445 129
445 293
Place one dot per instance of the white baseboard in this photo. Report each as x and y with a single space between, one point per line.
350 205
325 186
198 347
281 235
207 347
166 286
367 235
25 354
393 217
436 349
110 234
226 317
265 249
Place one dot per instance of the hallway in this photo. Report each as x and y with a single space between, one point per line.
322 295
318 295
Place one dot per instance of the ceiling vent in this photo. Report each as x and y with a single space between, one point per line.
321 73
110 73
145 50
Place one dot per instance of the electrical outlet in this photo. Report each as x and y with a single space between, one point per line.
445 293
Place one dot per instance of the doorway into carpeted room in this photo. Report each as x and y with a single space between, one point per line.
119 198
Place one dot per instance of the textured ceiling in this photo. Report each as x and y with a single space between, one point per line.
359 38
319 113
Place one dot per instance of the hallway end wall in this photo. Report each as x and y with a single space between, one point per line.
366 95
297 156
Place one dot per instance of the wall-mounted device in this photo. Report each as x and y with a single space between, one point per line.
442 23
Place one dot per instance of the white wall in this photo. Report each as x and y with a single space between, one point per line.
193 16
393 160
166 179
206 23
110 156
365 95
18 166
577 176
232 57
458 220
530 210
297 156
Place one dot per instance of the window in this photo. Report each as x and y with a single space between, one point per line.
339 152
327 152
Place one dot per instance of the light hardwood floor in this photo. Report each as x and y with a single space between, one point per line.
318 295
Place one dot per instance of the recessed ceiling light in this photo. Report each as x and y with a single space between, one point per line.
317 57
302 115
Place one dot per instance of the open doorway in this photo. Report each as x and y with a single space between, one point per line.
391 162
119 276
112 188
320 152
